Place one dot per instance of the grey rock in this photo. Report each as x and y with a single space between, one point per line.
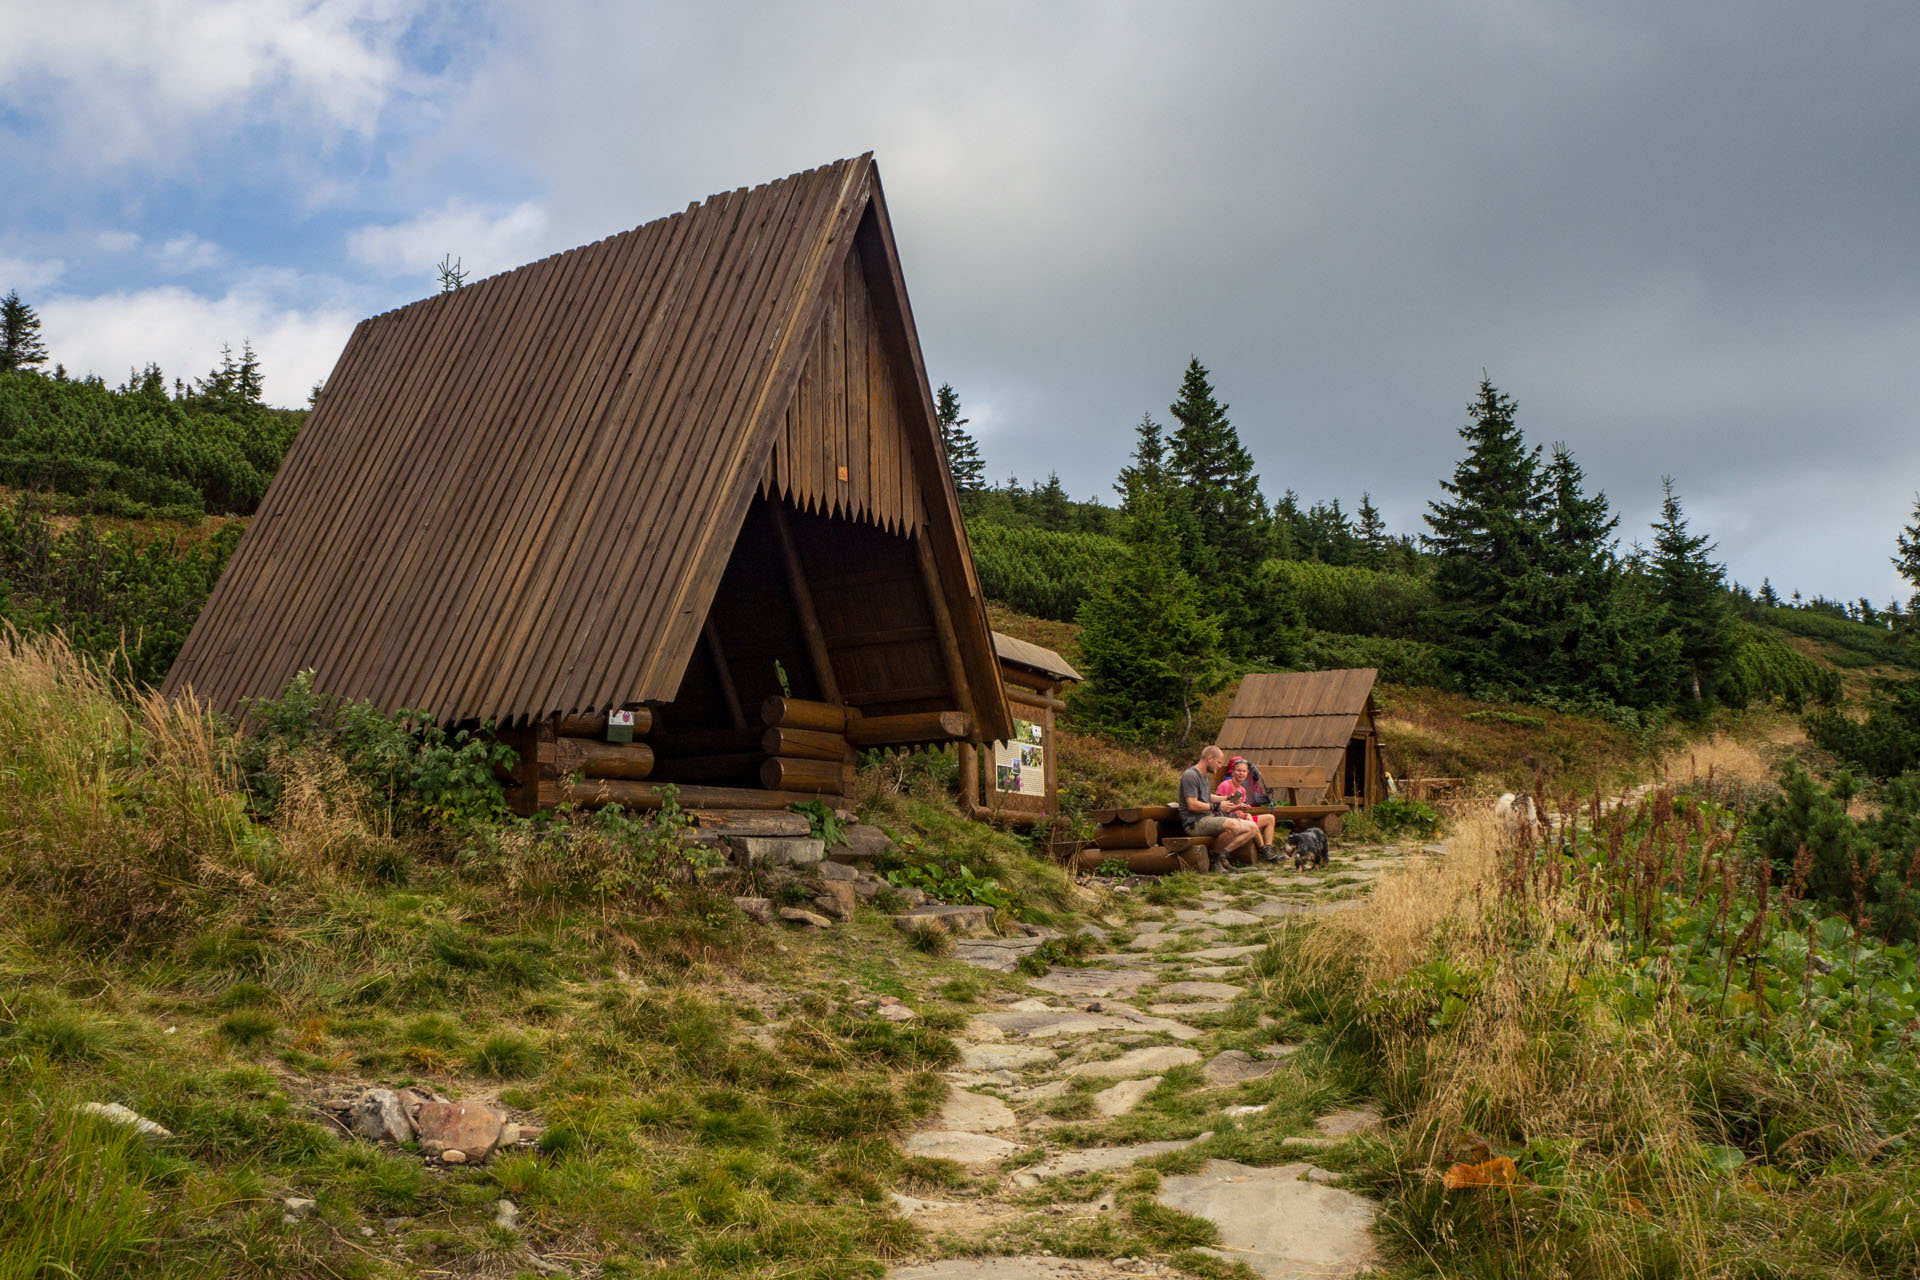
125 1115
759 910
1125 1096
837 899
506 1215
911 896
467 1127
1236 1065
1190 1007
1228 918
1271 908
908 1205
965 1112
777 851
838 871
796 915
963 920
298 1207
895 1013
860 843
1344 1124
1137 1062
962 1148
380 1115
1023 1267
1282 1226
1095 982
1228 953
1098 1159
1202 990
1005 1057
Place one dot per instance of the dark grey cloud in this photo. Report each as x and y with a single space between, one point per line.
1681 236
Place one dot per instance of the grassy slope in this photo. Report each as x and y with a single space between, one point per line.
160 949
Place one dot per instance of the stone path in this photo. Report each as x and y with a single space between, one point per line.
1068 1081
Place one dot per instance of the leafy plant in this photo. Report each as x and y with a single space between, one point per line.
822 822
952 882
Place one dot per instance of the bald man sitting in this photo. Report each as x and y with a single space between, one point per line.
1206 816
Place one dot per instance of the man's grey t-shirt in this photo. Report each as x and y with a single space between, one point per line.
1194 784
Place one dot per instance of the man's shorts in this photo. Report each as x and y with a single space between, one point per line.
1211 825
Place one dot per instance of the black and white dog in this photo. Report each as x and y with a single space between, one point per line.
1309 848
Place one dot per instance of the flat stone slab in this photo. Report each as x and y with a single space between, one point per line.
1015 1268
1211 972
777 851
1228 953
1136 1062
1275 1221
1002 955
962 1148
1231 916
1095 982
1190 1007
966 1112
1098 1159
1236 1065
1125 1096
1045 1024
1005 1057
1202 990
1344 1124
1271 908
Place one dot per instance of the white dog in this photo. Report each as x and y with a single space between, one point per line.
1517 817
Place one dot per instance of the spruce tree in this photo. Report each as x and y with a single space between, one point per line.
1908 561
1692 594
1149 650
1486 540
1146 477
1052 509
1219 510
1370 535
1768 596
963 452
21 349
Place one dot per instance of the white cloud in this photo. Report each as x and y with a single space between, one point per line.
117 241
187 252
115 333
29 274
483 240
145 81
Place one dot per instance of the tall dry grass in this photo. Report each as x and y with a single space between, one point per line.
1471 1013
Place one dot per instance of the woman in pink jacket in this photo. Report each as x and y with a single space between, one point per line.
1233 788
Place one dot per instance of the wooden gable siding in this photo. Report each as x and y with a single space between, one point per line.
845 416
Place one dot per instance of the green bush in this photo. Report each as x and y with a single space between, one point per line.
1886 744
1039 571
123 601
1399 661
1763 666
1350 600
1877 643
136 450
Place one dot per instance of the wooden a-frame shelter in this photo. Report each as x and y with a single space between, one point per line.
668 508
1313 734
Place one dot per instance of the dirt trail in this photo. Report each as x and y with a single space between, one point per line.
1058 1086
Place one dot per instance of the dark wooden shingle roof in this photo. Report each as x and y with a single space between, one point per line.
516 499
1298 717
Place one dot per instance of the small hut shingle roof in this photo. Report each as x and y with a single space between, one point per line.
516 499
1301 718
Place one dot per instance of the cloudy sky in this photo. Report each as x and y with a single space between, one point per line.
1683 237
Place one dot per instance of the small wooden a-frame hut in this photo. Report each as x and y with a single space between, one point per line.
671 507
1312 733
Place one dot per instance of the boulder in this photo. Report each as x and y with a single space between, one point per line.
795 915
837 899
838 871
860 843
777 851
466 1127
1236 1065
123 1115
759 910
380 1115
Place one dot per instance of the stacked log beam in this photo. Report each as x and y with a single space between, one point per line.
1147 838
807 745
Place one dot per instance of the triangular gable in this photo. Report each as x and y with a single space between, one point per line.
516 499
